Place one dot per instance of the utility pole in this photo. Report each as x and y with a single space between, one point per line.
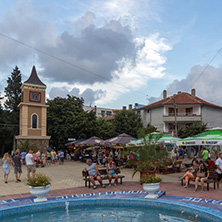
175 116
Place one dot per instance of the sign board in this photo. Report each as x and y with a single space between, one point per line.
71 139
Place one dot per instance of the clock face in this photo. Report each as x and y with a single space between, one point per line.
35 96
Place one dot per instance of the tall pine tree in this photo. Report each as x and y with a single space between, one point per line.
13 90
13 95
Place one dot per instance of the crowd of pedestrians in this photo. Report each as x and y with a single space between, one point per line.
31 160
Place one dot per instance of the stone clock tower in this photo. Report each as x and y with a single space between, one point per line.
33 113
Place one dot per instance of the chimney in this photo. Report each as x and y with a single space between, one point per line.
130 106
164 94
193 92
124 107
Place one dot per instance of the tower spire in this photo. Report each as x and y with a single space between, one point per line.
34 79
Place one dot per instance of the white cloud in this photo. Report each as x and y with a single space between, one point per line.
103 41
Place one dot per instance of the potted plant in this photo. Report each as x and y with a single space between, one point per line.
151 183
39 186
147 157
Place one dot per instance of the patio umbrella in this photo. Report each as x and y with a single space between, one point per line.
119 140
164 139
92 141
211 137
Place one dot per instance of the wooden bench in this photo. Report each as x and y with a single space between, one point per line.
170 167
103 176
211 179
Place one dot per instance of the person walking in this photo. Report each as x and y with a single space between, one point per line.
23 154
48 156
219 169
30 164
62 156
17 164
6 166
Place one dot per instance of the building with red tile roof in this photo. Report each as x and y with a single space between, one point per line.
180 110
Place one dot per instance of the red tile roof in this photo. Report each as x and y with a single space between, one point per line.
180 99
110 118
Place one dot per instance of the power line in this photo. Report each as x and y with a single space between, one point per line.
69 63
201 73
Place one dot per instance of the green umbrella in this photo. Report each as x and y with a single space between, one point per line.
164 139
211 137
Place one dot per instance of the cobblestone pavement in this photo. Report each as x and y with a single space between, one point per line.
67 180
64 176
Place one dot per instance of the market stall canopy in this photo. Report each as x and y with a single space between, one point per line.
93 141
211 137
73 143
164 139
119 140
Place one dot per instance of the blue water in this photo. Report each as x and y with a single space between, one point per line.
105 214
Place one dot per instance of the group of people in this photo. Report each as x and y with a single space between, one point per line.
17 162
93 171
53 156
31 160
200 172
101 156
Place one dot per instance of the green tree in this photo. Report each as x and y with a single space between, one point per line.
13 91
6 132
148 130
13 95
148 156
127 121
67 119
105 129
192 130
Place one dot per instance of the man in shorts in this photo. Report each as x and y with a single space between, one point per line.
93 172
30 164
219 169
17 164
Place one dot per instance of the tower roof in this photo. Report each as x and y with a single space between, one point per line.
34 79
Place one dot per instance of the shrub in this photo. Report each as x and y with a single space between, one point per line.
39 180
150 179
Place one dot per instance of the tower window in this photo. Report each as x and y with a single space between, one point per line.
34 121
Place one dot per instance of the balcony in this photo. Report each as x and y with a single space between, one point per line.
182 118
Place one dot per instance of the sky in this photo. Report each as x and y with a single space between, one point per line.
114 53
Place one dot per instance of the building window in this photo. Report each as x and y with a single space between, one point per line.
103 112
34 121
189 111
171 111
108 113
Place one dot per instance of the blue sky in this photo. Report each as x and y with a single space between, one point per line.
139 48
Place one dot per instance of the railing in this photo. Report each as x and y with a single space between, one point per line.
182 114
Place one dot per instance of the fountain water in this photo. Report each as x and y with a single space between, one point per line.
67 211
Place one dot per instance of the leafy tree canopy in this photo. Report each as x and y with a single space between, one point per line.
13 90
127 121
105 129
192 130
67 119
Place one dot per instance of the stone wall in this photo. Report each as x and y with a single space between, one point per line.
40 144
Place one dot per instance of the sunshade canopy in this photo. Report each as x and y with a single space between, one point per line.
211 138
164 139
119 140
93 141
